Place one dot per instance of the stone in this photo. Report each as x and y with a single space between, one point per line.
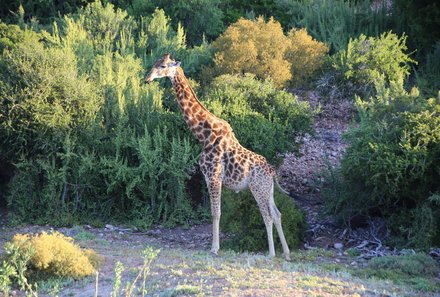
338 245
109 227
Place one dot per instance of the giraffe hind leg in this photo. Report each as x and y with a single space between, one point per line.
260 190
276 215
263 194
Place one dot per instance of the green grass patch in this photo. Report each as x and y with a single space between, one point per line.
417 271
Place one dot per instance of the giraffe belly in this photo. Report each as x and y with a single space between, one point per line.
236 186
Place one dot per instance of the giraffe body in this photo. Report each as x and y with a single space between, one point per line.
223 161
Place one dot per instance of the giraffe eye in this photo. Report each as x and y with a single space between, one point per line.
163 66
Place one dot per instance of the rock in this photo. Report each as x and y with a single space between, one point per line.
338 245
110 227
153 232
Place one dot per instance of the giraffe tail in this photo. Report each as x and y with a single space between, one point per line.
274 212
279 186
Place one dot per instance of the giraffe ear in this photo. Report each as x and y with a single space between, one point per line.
176 64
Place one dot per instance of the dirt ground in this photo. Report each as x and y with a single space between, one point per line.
185 267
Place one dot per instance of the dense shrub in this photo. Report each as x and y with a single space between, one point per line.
10 35
264 119
391 167
43 97
201 18
421 21
45 11
87 139
305 54
57 255
241 217
366 62
253 47
333 22
261 48
428 74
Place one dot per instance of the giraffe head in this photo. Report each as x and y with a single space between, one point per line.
164 67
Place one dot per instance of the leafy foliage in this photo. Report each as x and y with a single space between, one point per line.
57 255
305 54
421 21
264 119
241 216
14 268
253 47
392 162
368 61
428 74
86 137
333 22
261 48
201 18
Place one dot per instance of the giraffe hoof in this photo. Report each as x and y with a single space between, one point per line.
214 251
287 257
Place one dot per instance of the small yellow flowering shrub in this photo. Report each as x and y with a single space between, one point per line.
261 48
256 47
305 54
56 254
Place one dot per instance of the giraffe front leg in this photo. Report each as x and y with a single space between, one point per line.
215 197
269 229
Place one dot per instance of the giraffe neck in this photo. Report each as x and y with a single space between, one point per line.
196 116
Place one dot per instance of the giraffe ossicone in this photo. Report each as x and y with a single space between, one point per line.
223 161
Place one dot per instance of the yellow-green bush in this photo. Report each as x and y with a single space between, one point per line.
253 47
261 48
305 54
56 254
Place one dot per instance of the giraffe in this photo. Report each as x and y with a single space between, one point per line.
223 160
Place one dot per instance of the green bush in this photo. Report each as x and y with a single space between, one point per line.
391 166
201 18
368 61
428 74
44 97
87 139
421 21
264 119
241 217
333 22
